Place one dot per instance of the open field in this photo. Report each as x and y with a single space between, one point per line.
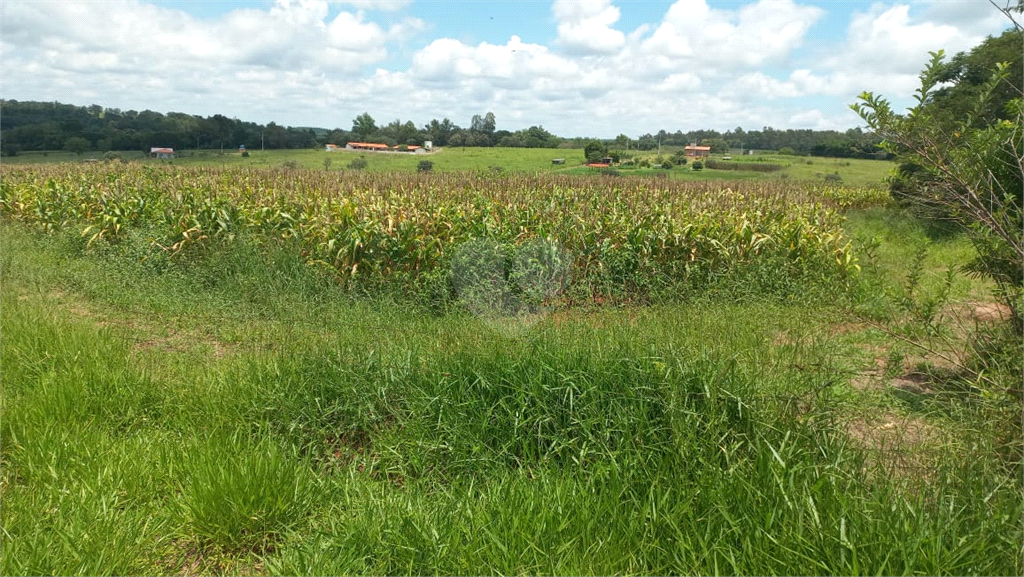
855 172
220 376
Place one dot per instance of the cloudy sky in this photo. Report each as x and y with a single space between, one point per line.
576 67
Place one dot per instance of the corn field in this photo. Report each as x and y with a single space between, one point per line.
370 228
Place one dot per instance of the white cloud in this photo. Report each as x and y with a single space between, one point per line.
382 5
584 26
763 32
321 62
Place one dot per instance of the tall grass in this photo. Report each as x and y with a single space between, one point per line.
341 437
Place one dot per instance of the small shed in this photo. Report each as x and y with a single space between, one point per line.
156 152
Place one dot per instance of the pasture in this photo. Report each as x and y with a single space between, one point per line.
218 366
855 172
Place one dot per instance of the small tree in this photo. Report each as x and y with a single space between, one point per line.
76 144
974 175
595 151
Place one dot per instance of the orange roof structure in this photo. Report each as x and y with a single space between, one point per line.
372 145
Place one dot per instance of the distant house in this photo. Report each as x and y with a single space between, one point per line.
332 147
697 151
161 152
413 148
365 146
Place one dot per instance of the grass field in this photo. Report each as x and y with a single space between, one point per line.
233 411
534 160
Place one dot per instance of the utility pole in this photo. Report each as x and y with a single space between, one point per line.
261 141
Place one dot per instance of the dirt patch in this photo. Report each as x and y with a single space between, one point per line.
989 312
897 443
144 334
977 312
917 383
870 378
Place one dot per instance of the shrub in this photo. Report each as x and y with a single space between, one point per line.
787 151
667 165
697 165
358 163
834 177
425 166
245 154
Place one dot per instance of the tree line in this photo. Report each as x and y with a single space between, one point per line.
42 126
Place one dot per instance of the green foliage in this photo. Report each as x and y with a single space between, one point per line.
358 163
241 496
955 169
787 151
341 437
364 126
595 150
77 144
964 81
425 166
697 165
630 241
718 145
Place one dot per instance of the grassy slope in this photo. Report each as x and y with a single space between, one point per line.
258 422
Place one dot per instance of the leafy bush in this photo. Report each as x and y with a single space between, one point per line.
358 163
697 165
963 167
594 151
833 177
425 166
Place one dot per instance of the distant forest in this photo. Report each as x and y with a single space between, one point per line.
40 126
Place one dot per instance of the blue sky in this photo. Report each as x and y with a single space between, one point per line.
576 67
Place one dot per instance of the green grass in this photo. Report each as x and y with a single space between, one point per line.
238 416
855 172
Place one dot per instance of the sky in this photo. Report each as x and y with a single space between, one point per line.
592 68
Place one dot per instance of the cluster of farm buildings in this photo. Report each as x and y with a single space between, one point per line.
377 147
693 151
